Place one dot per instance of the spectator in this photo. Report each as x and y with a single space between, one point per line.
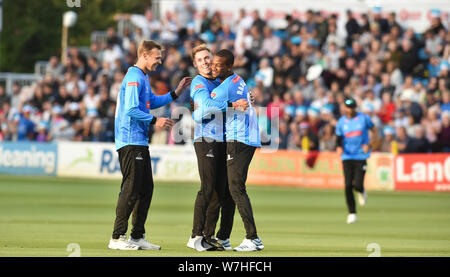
205 21
388 144
443 141
16 98
392 22
149 26
184 10
3 97
436 23
169 31
432 124
91 102
403 140
352 27
54 68
309 141
271 44
445 104
258 22
283 137
25 127
419 144
409 57
411 107
327 139
387 109
310 24
293 25
41 132
264 73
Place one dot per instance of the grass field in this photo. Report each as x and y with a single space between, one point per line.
40 216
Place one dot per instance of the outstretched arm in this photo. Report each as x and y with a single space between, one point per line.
162 100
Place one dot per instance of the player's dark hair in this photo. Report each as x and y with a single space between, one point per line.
227 55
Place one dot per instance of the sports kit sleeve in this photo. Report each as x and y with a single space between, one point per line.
131 101
161 100
339 134
207 105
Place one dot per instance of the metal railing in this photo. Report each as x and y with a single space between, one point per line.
22 79
98 37
40 68
125 24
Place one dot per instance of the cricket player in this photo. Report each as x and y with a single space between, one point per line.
242 136
210 148
352 131
132 121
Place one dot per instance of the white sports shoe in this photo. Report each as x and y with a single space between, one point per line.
250 245
362 198
145 245
351 218
122 244
197 243
226 244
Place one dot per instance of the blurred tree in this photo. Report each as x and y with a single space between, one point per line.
32 29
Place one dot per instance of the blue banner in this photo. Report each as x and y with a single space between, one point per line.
26 158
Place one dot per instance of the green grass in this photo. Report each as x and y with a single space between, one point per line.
40 216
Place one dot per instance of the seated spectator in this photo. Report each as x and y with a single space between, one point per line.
327 140
308 140
271 44
443 142
419 144
91 102
403 141
445 104
41 135
387 109
264 73
388 142
432 124
283 137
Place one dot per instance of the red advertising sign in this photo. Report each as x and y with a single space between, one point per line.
429 172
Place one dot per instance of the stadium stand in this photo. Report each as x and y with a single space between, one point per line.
399 77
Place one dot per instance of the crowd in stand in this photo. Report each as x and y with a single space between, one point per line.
399 77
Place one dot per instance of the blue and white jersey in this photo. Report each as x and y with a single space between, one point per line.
212 128
355 133
134 101
239 126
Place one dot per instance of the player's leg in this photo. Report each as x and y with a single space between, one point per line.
360 172
128 193
125 203
226 201
142 205
349 173
144 185
206 153
239 157
212 216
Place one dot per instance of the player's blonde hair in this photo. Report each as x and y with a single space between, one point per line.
199 48
147 45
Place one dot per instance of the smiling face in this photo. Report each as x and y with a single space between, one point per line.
202 61
220 68
153 58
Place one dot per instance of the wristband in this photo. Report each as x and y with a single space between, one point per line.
173 94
